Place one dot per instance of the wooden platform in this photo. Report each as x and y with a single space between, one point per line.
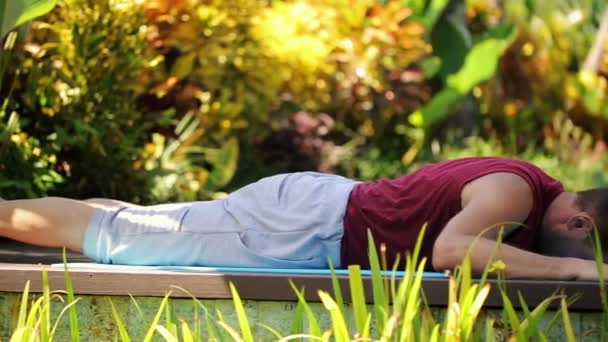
19 263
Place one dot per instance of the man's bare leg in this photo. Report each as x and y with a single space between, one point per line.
50 221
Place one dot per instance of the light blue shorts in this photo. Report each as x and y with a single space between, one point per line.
286 221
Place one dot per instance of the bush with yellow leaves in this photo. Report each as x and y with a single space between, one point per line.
74 129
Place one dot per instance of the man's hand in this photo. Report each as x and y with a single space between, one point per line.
587 269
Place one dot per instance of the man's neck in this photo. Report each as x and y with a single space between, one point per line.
559 206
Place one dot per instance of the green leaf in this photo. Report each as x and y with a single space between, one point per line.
233 333
16 12
430 66
297 322
124 335
451 42
45 323
313 323
186 331
224 162
74 325
379 292
566 320
433 12
357 297
337 318
530 324
510 311
183 65
34 313
156 319
166 334
490 333
479 65
241 314
23 307
63 311
273 331
336 286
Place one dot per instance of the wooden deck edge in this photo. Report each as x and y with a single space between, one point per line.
266 287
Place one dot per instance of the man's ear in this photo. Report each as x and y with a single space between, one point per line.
579 225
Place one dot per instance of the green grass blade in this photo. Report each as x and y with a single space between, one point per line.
74 326
169 321
510 311
490 333
473 310
418 246
63 311
272 330
124 335
556 315
45 323
231 331
335 283
599 261
23 307
156 319
450 318
34 312
140 312
166 334
297 322
213 335
523 304
435 334
197 320
357 297
378 286
393 281
307 337
465 275
366 328
497 248
337 318
566 321
413 303
186 331
530 324
313 323
241 315
197 326
220 332
20 334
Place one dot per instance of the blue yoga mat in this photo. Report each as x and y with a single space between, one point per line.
198 269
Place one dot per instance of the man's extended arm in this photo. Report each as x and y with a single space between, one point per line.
491 201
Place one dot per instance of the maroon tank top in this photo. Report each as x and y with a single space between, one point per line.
396 209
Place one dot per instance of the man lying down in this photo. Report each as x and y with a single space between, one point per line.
300 220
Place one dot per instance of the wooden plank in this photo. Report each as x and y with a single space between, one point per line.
264 286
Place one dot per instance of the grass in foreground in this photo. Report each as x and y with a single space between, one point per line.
398 312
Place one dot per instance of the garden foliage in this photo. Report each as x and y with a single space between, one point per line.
161 100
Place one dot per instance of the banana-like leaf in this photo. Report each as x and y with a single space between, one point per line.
479 65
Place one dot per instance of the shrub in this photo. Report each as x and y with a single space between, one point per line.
76 80
546 73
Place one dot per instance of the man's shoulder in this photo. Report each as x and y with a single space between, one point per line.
502 188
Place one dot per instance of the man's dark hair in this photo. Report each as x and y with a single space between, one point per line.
595 203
